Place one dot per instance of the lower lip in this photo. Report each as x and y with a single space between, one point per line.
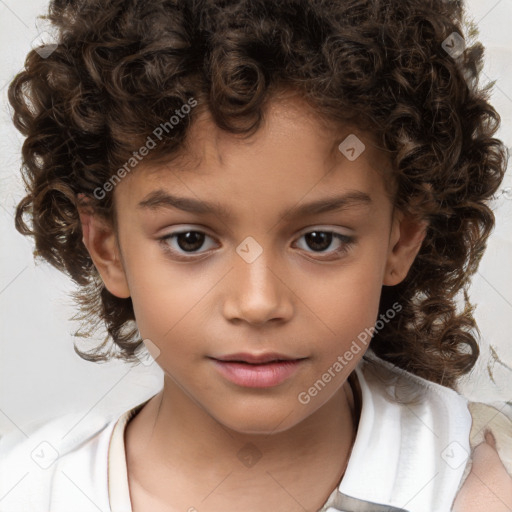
257 375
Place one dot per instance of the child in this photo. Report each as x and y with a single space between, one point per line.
298 374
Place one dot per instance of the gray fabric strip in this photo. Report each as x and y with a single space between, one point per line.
343 503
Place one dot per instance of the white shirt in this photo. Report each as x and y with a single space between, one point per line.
406 457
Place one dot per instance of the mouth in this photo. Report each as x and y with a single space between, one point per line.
257 371
256 359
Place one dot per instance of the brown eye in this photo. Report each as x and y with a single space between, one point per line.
181 243
190 241
319 241
187 244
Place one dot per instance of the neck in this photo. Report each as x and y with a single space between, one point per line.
171 438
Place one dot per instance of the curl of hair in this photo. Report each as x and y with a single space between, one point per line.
122 65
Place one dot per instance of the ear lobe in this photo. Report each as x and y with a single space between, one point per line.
405 243
101 241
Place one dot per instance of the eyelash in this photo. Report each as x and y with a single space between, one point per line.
347 241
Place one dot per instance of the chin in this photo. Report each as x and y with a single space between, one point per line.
260 423
255 428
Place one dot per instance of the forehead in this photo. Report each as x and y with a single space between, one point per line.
292 154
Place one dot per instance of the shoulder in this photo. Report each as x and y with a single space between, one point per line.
459 426
35 462
427 431
489 483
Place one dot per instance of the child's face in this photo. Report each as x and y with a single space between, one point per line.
209 299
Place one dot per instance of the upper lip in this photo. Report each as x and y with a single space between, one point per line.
257 358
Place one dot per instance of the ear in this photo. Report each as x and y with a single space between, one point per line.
100 239
407 235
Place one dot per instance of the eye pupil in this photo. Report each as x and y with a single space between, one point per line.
193 240
319 237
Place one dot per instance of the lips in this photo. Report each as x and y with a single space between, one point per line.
269 357
257 370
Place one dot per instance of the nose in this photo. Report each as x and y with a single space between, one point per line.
257 292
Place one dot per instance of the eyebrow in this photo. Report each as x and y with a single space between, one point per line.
159 199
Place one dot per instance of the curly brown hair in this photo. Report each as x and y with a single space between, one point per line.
381 65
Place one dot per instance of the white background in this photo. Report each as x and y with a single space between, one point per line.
40 374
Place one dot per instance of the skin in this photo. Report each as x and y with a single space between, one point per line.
295 298
488 485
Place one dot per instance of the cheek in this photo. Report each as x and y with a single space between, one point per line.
163 307
347 296
162 292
